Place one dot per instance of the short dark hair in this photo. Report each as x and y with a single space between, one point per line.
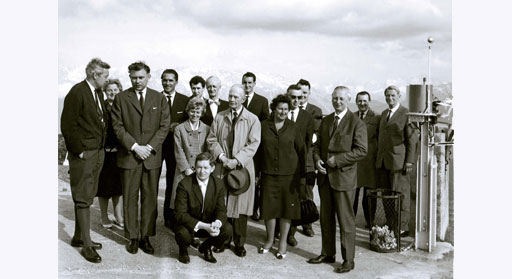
281 98
293 87
170 71
205 156
196 80
304 82
249 74
392 87
139 65
364 93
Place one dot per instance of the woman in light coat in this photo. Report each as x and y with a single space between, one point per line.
189 141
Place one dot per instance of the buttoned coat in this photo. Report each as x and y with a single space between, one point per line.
133 124
190 207
187 145
348 144
247 139
259 107
366 171
396 141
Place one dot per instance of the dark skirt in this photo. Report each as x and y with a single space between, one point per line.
279 197
110 178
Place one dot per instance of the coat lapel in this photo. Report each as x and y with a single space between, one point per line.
134 100
209 196
197 191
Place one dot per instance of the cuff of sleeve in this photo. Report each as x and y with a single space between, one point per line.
196 228
133 146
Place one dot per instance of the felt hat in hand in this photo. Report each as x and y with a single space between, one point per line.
238 181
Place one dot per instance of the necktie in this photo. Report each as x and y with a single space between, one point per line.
98 105
335 124
389 116
141 100
235 118
301 106
293 116
169 99
211 101
361 115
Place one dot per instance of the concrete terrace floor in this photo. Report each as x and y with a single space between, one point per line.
117 263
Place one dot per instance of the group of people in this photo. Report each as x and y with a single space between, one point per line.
227 161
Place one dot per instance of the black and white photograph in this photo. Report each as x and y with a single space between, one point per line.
249 139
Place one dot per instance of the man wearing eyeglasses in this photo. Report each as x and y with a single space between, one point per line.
304 120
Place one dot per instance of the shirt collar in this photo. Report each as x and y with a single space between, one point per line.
192 126
202 183
341 114
93 89
239 112
393 110
172 94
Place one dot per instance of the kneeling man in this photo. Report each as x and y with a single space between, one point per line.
201 210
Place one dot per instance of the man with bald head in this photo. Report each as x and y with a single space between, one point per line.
342 142
233 140
214 103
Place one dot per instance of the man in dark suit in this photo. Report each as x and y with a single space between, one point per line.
197 85
396 152
214 103
83 125
201 210
177 103
341 143
366 171
140 118
304 120
316 113
258 105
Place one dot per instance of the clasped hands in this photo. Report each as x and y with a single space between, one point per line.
142 151
212 228
331 162
228 163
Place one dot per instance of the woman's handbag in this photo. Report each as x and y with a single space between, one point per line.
308 213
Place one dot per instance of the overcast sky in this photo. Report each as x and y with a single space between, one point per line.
362 44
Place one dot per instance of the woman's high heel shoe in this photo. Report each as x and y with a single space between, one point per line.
262 250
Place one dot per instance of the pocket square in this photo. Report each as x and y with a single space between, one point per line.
179 112
154 107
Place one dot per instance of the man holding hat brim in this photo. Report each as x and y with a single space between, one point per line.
238 181
233 141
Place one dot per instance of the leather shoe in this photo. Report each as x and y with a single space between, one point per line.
309 232
346 266
255 216
240 251
90 254
404 233
292 241
80 243
207 252
145 245
183 257
322 259
133 246
196 242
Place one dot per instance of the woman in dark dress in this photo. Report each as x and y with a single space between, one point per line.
110 180
282 156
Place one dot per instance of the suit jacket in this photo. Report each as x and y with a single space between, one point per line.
247 139
348 144
305 121
133 124
396 141
207 118
366 171
282 152
178 113
189 202
80 123
259 107
317 115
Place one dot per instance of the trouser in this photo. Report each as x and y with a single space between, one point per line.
84 174
337 204
184 236
396 181
366 207
144 181
239 229
170 165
